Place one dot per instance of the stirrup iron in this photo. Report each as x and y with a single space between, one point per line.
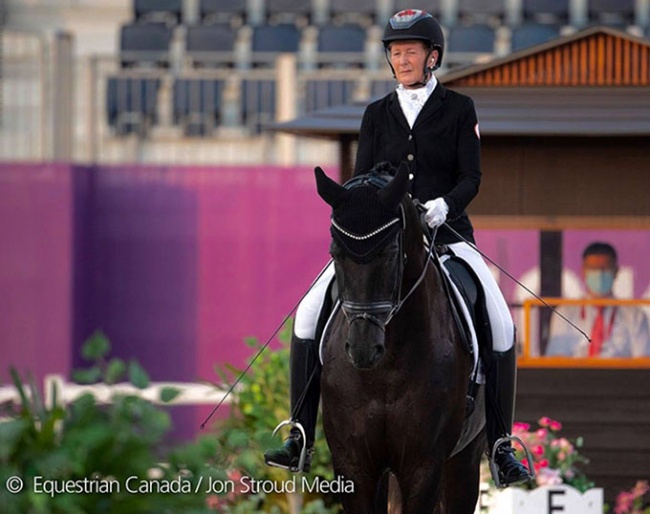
494 470
303 452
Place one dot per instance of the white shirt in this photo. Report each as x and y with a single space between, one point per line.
412 100
626 332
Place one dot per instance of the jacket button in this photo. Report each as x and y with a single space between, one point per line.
410 136
411 176
410 157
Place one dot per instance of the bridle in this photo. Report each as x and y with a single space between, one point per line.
380 313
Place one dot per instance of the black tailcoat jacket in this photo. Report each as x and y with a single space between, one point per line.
442 150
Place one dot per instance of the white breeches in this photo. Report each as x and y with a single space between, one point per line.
503 331
304 326
501 324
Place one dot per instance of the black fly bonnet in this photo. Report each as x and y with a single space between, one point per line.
363 224
367 213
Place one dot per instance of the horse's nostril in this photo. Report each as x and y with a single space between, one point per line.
379 352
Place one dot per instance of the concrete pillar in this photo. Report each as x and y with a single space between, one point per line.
255 12
578 13
514 12
642 13
62 97
286 106
448 12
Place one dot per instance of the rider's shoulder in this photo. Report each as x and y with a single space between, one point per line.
457 98
382 102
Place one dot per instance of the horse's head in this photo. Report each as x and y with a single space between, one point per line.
367 230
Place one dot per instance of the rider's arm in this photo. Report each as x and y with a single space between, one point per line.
365 151
468 158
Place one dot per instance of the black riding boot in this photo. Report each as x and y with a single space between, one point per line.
501 384
305 390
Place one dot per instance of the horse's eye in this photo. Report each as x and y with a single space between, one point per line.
391 249
335 251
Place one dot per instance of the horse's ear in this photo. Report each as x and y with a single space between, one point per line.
330 191
392 194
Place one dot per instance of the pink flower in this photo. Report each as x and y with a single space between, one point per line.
520 427
640 488
549 449
624 502
548 476
212 501
629 502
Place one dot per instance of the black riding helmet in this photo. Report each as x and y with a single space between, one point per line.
415 24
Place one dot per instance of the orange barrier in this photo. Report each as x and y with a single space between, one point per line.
528 359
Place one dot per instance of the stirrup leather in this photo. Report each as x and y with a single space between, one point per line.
494 470
303 452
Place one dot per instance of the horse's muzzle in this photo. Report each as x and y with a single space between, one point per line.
367 330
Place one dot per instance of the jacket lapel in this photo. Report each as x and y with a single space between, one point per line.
432 104
396 111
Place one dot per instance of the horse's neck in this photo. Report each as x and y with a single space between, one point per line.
427 311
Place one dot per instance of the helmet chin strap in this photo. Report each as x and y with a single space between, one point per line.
421 83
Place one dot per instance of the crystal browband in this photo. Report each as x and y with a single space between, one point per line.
365 236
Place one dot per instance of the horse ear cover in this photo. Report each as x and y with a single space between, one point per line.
391 195
333 194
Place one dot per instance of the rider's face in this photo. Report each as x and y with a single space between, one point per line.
408 59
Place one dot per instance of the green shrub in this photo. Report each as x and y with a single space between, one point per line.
94 446
261 401
87 446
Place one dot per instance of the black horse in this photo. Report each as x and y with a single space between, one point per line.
395 369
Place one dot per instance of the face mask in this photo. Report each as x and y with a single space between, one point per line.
600 282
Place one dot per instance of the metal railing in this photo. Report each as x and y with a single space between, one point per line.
58 391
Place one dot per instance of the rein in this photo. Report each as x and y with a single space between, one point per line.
399 304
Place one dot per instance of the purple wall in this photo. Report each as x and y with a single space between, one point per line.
35 268
176 265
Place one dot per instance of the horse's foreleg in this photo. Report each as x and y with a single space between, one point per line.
461 479
366 498
420 491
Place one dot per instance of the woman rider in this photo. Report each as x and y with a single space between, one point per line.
435 131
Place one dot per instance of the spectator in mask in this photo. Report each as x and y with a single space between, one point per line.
614 330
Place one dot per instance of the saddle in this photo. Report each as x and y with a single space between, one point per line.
467 300
470 289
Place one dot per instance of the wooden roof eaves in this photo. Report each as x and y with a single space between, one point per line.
448 79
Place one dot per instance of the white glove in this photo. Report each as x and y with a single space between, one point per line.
436 212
